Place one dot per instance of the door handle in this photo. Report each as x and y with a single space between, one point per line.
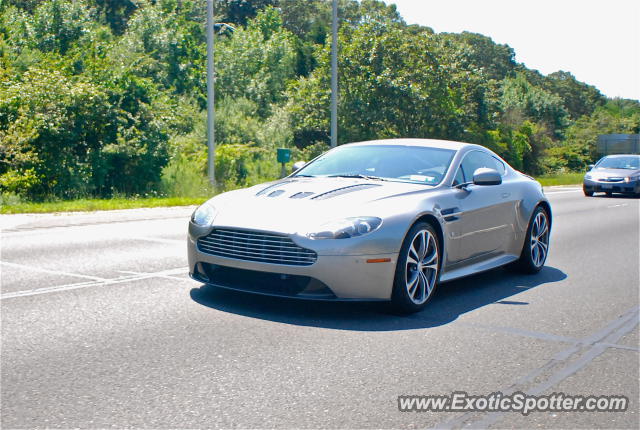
505 195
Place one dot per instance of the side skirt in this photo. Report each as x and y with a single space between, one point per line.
482 266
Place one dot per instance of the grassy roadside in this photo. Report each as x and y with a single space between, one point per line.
562 179
98 204
152 202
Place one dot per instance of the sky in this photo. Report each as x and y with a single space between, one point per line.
598 41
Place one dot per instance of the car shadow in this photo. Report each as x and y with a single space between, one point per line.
451 300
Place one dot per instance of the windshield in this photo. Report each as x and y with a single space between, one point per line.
417 164
631 162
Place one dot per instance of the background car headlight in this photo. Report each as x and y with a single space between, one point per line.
632 178
204 215
346 228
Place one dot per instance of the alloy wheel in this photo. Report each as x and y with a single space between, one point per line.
539 239
421 270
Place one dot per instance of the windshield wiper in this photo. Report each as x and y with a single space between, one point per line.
304 176
358 175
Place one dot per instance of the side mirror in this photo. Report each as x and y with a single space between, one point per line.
486 176
591 166
298 165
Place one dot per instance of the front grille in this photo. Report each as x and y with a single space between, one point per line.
256 246
611 179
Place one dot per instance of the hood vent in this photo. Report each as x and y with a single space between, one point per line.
270 187
344 190
301 195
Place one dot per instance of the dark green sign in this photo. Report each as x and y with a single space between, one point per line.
284 155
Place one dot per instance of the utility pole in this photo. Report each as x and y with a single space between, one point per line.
211 143
334 77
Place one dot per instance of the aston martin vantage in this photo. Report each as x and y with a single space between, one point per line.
385 220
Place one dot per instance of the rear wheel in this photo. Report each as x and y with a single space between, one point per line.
536 245
417 270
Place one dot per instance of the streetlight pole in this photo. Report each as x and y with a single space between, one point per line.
334 77
211 143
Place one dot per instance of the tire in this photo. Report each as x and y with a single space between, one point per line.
411 294
587 193
536 245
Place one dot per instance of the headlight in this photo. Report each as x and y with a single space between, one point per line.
204 215
346 228
587 176
631 178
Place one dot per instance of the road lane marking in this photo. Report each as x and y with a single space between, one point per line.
34 229
576 190
104 282
159 240
618 206
591 347
53 272
37 230
618 346
157 276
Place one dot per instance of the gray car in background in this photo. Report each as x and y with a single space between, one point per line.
383 220
614 174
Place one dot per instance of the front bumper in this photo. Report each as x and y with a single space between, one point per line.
611 187
331 277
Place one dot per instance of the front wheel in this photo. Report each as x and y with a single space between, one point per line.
536 245
587 193
417 270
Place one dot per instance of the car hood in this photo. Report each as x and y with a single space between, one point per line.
600 173
299 204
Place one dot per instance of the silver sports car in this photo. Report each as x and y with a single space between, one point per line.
381 220
613 174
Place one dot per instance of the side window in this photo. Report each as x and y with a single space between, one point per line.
501 167
477 159
459 179
473 161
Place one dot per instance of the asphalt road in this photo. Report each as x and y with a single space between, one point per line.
101 327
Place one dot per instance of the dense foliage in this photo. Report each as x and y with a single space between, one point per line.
103 98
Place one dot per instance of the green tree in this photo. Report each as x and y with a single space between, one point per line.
617 116
258 62
521 99
391 85
116 13
579 98
478 54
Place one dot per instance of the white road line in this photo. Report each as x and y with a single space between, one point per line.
590 347
557 369
39 230
175 278
25 227
54 272
159 240
576 190
103 282
618 206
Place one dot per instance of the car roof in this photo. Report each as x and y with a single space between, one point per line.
431 143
